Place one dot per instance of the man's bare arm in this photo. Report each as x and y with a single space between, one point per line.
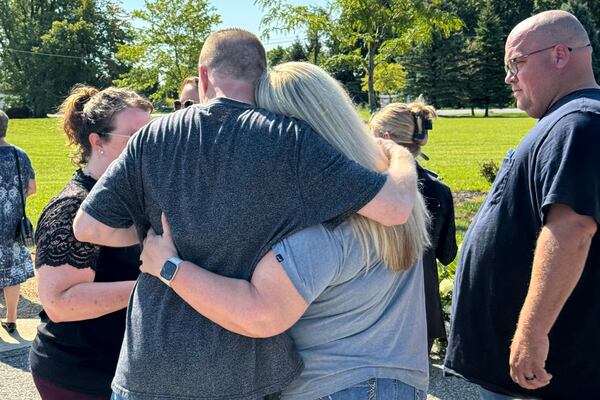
560 256
88 229
396 199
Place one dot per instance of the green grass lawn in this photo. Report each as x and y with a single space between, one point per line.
456 147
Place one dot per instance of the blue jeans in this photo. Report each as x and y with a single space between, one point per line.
378 388
119 397
485 394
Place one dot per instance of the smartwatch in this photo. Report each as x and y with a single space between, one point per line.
169 270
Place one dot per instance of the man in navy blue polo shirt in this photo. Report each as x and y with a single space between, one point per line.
526 314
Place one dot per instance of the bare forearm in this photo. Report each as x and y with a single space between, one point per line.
558 263
396 199
88 229
403 173
231 303
88 300
561 251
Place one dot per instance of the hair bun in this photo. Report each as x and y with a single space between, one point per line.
82 94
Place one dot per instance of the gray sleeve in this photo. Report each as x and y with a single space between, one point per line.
332 187
311 258
115 199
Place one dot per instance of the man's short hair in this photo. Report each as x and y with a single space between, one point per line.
234 53
3 123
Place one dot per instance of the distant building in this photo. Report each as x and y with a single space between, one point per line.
385 99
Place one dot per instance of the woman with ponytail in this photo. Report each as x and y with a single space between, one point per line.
84 288
351 295
407 125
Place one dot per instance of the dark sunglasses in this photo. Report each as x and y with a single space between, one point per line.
178 106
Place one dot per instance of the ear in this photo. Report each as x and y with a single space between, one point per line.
96 141
562 55
203 80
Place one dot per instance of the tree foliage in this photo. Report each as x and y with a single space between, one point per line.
296 52
436 70
48 46
582 11
486 61
379 30
166 49
389 78
284 18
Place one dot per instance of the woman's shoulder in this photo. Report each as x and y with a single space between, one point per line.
66 203
430 180
11 149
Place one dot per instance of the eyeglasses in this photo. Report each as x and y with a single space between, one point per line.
512 65
117 134
186 104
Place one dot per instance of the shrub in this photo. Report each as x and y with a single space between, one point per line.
489 170
19 112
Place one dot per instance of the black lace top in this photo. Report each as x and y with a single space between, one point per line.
79 355
56 244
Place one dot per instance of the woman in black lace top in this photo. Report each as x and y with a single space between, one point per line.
84 288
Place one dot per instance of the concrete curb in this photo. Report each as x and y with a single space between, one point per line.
21 338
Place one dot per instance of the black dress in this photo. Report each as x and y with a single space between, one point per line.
82 355
442 232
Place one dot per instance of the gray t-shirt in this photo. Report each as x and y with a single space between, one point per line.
364 321
232 180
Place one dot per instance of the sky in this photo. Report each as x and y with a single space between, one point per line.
244 14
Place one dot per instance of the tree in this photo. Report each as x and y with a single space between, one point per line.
436 70
581 10
388 78
379 29
167 47
296 52
281 17
48 46
384 29
510 13
276 56
486 58
345 67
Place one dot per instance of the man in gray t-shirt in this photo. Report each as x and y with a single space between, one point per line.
232 179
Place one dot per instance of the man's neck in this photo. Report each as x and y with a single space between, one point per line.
236 95
584 84
3 142
234 89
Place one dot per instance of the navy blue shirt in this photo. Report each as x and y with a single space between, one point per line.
557 162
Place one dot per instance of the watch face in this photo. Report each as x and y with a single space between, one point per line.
168 270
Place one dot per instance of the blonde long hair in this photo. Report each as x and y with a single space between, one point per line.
307 92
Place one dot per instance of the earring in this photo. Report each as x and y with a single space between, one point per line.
101 151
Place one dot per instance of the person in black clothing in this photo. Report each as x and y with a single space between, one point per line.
84 288
407 125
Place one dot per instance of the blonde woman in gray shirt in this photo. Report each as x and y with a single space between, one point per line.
352 294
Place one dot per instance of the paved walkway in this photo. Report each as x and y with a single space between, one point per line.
16 383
